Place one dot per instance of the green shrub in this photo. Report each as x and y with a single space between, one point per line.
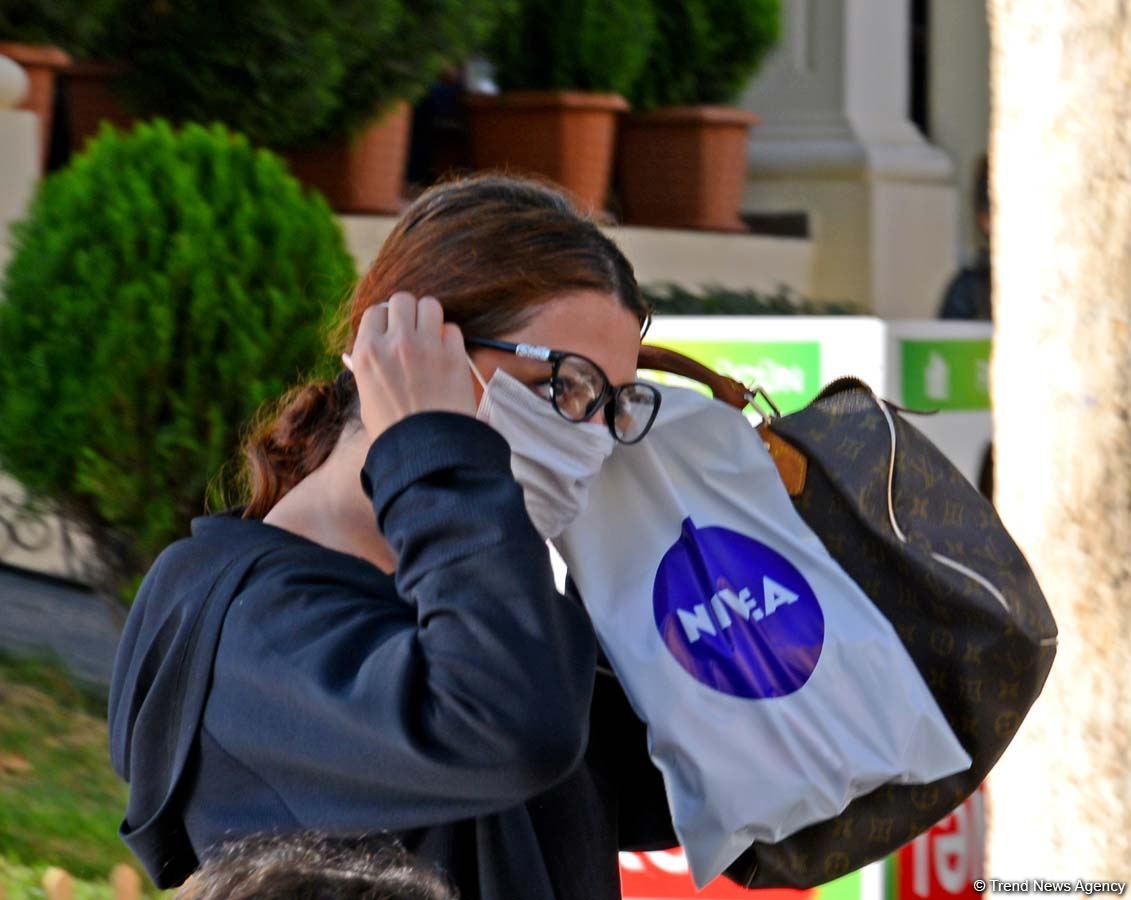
78 26
705 51
673 300
585 45
163 286
292 72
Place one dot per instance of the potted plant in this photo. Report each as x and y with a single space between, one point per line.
427 38
163 285
325 82
682 154
563 67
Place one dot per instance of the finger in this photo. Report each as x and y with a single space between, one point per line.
451 336
402 313
429 317
374 321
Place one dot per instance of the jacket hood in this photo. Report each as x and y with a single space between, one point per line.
162 674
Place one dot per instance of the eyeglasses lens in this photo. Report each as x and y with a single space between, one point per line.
578 388
636 406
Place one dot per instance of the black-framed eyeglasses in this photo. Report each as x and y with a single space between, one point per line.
578 388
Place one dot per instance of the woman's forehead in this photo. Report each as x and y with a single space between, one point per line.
591 323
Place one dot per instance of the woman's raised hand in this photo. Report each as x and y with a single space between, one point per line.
407 360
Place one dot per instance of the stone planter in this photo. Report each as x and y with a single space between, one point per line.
566 136
362 174
41 62
684 167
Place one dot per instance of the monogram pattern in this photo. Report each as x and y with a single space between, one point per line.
985 664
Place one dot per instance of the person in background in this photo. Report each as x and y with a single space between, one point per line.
312 866
968 294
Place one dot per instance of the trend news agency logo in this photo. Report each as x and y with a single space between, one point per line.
737 615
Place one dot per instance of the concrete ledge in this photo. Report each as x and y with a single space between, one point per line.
688 258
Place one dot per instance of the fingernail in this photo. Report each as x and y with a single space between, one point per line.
348 362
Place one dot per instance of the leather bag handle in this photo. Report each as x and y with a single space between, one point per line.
723 388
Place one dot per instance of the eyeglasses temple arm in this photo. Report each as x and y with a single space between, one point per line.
525 351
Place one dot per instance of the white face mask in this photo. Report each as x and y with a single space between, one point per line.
555 461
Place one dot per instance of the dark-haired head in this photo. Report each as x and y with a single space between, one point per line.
311 866
495 251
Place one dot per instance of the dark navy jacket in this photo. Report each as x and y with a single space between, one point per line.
265 682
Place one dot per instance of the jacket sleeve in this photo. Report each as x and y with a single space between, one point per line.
465 694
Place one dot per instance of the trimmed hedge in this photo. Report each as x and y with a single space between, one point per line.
163 286
581 45
78 26
297 72
705 51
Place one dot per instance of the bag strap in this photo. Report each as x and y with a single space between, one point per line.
791 463
730 391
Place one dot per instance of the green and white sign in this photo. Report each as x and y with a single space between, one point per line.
947 375
789 371
925 365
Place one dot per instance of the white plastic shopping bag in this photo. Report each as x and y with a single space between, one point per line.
774 691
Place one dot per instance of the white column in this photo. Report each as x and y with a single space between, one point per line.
835 142
19 151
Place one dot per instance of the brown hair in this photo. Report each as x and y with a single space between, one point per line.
491 249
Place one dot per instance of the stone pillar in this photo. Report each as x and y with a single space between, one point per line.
835 141
19 150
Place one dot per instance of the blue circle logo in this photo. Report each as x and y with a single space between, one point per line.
737 615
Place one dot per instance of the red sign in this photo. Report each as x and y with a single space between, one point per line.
942 863
664 874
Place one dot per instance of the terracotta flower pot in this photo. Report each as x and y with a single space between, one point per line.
684 167
92 101
567 136
363 174
41 62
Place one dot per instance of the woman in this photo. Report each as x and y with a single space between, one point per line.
374 641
